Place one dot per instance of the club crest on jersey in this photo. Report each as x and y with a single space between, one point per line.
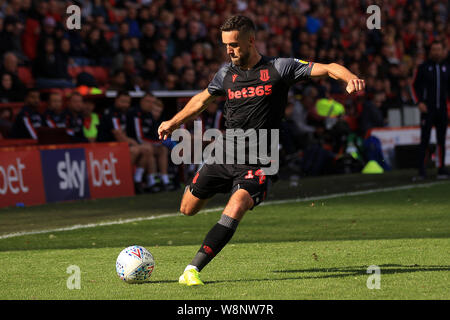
264 75
234 77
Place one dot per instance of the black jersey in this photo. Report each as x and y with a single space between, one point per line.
142 125
26 123
256 98
431 85
73 122
112 119
56 120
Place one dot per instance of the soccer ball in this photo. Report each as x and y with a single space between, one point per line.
135 264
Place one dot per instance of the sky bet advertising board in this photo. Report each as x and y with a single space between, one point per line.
64 173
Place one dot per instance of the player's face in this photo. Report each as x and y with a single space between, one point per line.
33 99
146 103
123 102
55 102
436 52
238 47
157 111
76 103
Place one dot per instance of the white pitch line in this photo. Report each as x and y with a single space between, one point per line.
168 215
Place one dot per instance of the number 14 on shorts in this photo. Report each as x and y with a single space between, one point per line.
259 173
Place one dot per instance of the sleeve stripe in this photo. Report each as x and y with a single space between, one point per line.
30 128
50 123
116 123
138 129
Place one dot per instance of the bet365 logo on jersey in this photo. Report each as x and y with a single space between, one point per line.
250 92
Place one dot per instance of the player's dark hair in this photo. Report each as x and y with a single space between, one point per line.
31 90
242 24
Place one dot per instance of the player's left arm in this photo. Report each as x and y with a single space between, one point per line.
338 72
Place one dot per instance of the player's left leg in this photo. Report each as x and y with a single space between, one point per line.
148 162
162 159
441 132
219 235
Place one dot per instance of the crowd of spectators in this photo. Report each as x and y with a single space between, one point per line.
149 45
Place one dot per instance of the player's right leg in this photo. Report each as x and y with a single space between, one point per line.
209 180
190 204
441 132
426 124
218 237
136 156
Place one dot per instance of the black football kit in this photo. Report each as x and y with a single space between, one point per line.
431 86
143 127
255 99
26 123
112 119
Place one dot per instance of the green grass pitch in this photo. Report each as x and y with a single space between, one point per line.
300 250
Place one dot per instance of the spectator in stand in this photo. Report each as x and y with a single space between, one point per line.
50 68
8 92
11 66
123 31
119 82
33 28
148 74
29 118
373 113
130 70
10 35
171 83
98 49
6 122
48 31
213 118
127 48
55 116
115 127
75 110
147 39
188 81
144 122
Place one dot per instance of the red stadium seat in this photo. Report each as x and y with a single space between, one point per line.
25 75
101 75
74 71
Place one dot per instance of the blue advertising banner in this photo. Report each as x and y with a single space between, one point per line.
65 174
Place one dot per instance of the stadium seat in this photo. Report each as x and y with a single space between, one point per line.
394 118
74 71
411 116
101 75
25 75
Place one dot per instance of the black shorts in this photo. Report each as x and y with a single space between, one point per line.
224 178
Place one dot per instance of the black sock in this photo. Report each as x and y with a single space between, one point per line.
215 240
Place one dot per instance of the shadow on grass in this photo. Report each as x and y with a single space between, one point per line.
342 272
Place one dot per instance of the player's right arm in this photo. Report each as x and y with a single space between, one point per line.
193 108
